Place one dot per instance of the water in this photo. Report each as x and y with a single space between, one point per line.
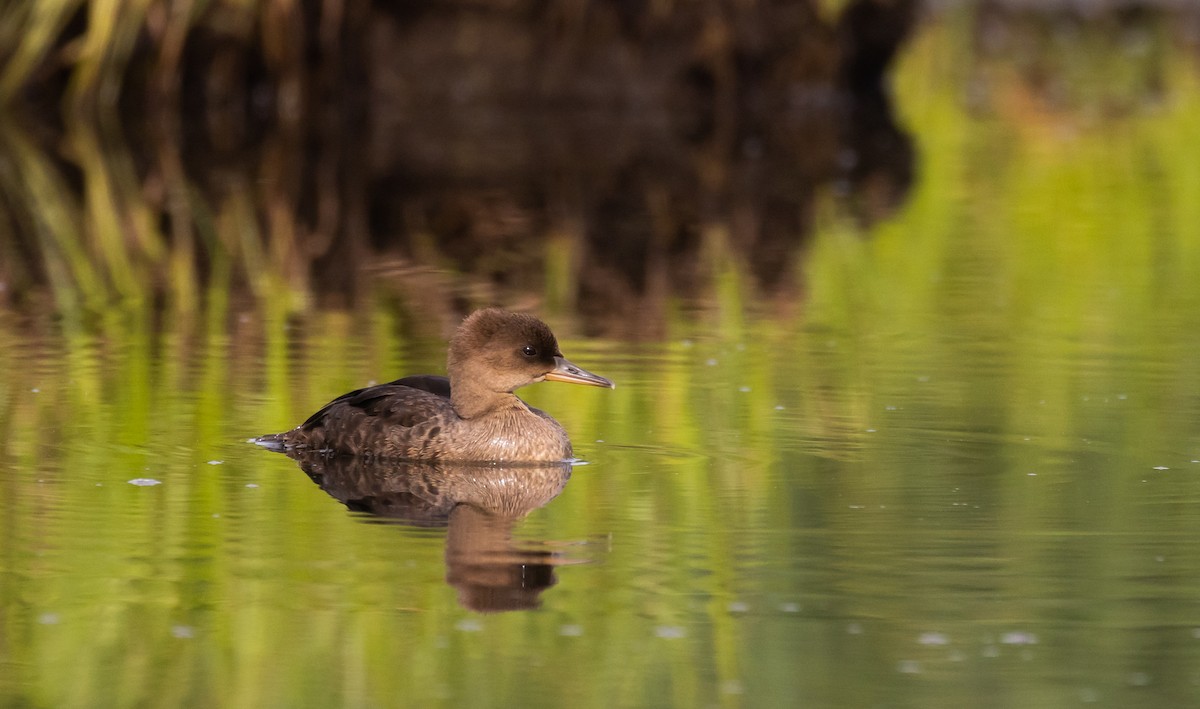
945 456
905 527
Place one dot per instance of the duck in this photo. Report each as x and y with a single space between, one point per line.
470 415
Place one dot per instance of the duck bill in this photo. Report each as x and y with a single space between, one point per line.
564 371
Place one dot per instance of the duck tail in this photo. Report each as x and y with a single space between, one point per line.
271 441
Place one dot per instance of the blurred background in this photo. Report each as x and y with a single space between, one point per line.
902 299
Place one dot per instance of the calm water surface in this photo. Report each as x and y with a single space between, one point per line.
922 522
956 465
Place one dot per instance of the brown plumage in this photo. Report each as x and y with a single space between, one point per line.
472 415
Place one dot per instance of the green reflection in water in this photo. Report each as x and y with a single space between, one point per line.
960 475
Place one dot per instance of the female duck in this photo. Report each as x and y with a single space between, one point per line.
471 416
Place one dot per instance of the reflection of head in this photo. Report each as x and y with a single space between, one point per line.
490 571
503 587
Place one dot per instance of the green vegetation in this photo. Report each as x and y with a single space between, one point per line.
956 431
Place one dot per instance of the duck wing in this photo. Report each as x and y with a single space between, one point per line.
389 404
374 400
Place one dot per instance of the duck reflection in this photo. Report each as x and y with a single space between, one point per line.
478 504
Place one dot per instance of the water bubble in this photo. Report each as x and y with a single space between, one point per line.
145 482
1018 637
571 631
215 462
182 631
909 667
469 625
744 389
789 607
738 607
48 619
670 632
251 484
933 638
1161 467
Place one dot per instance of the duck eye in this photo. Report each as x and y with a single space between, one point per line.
529 351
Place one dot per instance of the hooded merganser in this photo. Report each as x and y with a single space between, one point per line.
472 415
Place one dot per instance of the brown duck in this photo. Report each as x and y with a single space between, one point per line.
472 415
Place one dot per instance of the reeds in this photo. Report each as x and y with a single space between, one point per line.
103 201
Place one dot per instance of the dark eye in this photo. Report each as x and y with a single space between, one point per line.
529 351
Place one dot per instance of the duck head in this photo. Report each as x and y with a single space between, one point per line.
496 351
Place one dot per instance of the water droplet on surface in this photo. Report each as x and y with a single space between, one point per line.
744 390
933 638
1161 467
732 686
145 482
854 629
789 607
909 667
670 632
738 607
48 619
251 484
571 631
469 625
215 462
